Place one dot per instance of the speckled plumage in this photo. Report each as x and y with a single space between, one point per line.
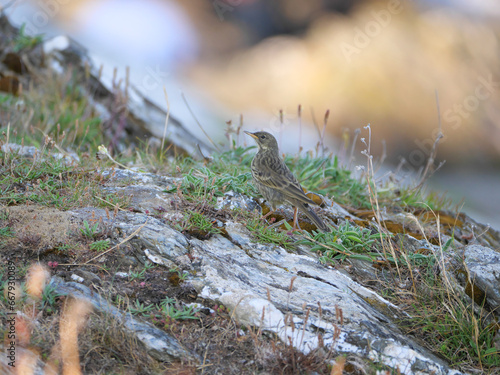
275 181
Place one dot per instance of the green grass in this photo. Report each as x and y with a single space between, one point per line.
323 175
230 170
263 233
410 197
451 327
347 241
51 105
206 184
66 117
52 183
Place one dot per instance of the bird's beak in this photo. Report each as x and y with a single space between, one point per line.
251 134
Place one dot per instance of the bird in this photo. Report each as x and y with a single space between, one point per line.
276 182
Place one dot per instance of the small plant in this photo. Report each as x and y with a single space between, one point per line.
202 223
88 231
63 248
140 308
24 41
49 297
137 275
168 308
6 232
4 215
181 275
198 225
100 245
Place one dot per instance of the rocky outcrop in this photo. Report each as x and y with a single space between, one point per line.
289 293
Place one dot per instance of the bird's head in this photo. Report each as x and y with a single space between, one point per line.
265 140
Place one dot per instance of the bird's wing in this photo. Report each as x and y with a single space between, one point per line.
283 180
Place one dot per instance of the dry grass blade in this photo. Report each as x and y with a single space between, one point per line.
201 127
121 243
72 322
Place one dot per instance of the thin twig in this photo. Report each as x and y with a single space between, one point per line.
166 120
117 245
322 135
281 130
299 110
430 162
111 204
205 158
433 153
201 127
353 147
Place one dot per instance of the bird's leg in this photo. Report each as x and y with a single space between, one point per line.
296 226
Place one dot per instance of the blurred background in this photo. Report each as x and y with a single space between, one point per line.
410 69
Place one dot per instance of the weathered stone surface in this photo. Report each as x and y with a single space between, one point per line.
483 265
287 293
143 119
159 344
290 294
155 240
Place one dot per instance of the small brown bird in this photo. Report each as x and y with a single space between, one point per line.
276 183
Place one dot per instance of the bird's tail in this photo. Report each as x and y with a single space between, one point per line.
309 212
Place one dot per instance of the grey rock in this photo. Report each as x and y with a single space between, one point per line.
483 265
234 200
31 152
142 119
290 294
254 281
159 344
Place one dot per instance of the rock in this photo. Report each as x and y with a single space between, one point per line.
143 119
159 344
234 200
292 295
288 293
88 278
483 266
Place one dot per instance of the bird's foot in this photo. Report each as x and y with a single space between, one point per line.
264 217
296 229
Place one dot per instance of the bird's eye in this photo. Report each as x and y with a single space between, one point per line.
262 137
